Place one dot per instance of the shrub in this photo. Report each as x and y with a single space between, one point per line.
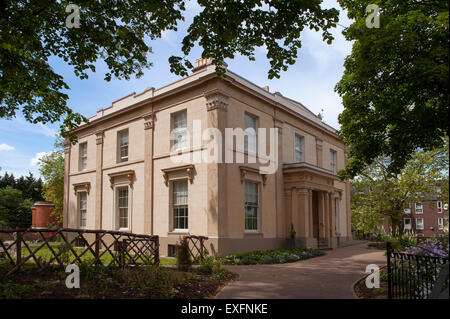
207 265
183 255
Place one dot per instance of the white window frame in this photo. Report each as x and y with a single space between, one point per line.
300 153
246 136
121 147
333 161
82 212
407 211
405 224
179 134
439 206
179 206
257 207
440 223
418 206
116 217
82 149
417 224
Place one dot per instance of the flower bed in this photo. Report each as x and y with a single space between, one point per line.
278 256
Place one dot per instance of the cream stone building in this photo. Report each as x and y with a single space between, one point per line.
121 176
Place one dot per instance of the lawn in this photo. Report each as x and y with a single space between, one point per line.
45 254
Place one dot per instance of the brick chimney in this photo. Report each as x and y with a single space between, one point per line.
201 63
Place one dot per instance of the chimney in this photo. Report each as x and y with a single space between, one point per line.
202 63
266 88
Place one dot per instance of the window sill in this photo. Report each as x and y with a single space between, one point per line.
253 233
178 232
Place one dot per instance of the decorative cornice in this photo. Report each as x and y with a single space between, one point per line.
129 174
148 121
216 100
83 186
189 169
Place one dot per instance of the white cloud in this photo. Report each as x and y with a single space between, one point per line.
6 147
35 160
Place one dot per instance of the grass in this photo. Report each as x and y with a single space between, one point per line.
45 254
276 256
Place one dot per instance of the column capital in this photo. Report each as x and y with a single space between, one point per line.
216 100
279 125
304 191
67 146
99 135
148 120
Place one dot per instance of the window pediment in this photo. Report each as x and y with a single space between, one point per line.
187 169
246 171
82 187
129 175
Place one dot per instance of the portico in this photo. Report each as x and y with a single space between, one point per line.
312 204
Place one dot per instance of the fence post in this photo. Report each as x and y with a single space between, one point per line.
201 248
18 249
388 253
97 248
157 250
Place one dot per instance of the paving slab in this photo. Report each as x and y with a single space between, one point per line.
328 277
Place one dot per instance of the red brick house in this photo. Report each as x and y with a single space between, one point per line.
427 218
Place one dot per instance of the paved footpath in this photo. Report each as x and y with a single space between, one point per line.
329 276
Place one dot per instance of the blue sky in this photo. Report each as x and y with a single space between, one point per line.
311 81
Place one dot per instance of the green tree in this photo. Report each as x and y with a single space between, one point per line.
395 87
380 195
118 33
14 210
52 170
30 187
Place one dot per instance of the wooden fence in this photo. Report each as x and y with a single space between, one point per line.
67 245
196 246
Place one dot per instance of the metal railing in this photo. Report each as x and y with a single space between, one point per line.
413 276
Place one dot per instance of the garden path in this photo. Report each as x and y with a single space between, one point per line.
327 277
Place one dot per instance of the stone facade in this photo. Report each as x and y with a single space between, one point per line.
306 193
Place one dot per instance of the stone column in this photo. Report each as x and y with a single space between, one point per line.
148 175
311 222
327 216
294 210
280 218
321 208
304 213
99 180
332 215
67 148
216 106
287 211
